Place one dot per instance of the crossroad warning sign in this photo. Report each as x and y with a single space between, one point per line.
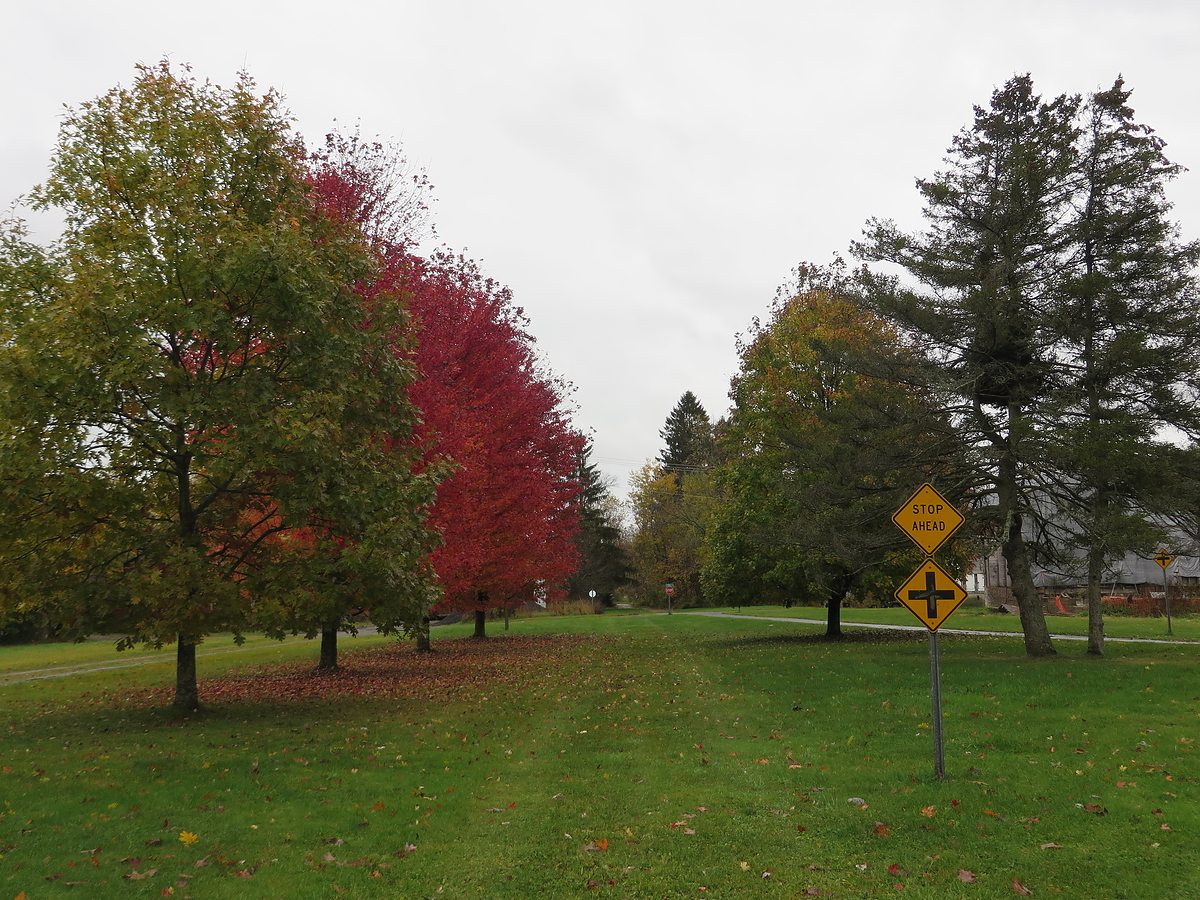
928 519
931 594
1163 558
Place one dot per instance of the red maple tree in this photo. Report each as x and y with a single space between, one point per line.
508 513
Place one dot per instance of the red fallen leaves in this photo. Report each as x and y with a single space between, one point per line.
894 870
1095 808
882 830
1020 889
393 671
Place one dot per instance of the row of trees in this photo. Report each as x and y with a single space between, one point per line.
1037 357
233 397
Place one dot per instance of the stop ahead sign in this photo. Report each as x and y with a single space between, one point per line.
928 519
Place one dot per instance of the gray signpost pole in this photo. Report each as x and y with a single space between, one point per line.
1167 599
935 697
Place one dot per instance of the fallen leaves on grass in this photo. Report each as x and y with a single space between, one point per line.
1050 845
1020 889
393 671
928 812
966 876
188 837
882 830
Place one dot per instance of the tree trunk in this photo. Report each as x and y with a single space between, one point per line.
328 649
480 624
1016 554
833 621
423 643
187 693
1095 605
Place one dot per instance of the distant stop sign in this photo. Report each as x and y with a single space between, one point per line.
670 589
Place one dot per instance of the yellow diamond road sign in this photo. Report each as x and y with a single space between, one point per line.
928 519
1163 558
931 594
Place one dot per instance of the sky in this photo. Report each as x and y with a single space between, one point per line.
642 175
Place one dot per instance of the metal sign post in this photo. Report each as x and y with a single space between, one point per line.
935 700
670 593
1164 559
931 593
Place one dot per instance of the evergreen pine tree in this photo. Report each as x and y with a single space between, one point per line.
603 563
988 264
1130 336
688 434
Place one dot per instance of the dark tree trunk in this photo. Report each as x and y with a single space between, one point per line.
423 643
833 621
329 658
1095 605
187 693
1016 554
480 624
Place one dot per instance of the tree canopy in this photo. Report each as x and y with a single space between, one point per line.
202 423
1061 304
825 440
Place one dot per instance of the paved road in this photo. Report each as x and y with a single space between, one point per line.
845 624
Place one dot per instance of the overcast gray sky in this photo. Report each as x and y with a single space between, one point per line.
642 175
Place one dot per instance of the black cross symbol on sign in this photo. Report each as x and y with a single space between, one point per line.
1164 558
931 594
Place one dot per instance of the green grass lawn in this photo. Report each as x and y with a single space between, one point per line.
976 619
606 756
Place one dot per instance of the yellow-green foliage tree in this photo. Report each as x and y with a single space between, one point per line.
824 442
672 514
202 422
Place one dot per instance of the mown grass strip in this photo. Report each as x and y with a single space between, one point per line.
645 756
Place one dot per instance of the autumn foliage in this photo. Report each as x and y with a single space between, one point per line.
508 511
508 515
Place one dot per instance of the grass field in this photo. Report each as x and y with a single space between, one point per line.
977 619
606 756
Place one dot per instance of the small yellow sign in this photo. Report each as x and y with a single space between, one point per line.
928 519
1163 558
931 594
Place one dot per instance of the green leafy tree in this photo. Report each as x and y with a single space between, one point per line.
823 444
672 513
672 504
201 421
